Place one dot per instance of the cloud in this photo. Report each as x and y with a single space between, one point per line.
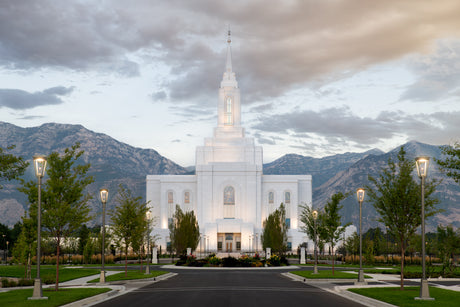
21 100
339 125
277 47
437 74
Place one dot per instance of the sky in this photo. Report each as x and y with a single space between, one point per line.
317 78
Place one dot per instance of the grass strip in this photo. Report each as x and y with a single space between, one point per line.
131 275
63 296
326 274
47 273
395 296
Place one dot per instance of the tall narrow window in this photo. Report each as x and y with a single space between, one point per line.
271 197
187 198
229 202
228 114
287 197
170 206
170 197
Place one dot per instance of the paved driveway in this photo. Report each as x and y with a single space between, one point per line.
229 288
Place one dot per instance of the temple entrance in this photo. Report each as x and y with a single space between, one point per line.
229 242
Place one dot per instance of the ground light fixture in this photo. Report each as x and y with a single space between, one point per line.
422 171
40 167
104 194
360 195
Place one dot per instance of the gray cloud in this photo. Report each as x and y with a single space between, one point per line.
301 48
20 100
438 74
339 125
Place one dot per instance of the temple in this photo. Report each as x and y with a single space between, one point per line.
229 192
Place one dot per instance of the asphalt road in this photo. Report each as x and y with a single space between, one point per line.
228 288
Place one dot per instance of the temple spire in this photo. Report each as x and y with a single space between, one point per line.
229 52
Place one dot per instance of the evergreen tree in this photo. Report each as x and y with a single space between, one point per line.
64 204
83 236
184 231
396 197
274 234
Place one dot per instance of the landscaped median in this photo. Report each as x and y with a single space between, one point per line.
130 275
55 298
326 274
394 295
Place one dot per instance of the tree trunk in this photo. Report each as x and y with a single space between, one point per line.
333 259
56 287
402 265
126 261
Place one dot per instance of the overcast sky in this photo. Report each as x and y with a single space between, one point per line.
317 77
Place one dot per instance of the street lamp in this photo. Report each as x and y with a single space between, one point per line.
315 216
148 215
7 242
422 171
360 196
39 166
104 193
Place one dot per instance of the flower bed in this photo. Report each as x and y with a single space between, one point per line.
243 261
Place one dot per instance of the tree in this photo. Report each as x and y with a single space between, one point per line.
451 164
396 197
83 237
128 220
64 204
11 167
448 244
308 222
332 228
26 246
184 231
274 234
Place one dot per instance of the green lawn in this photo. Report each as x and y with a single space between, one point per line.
326 274
395 296
47 272
15 298
131 275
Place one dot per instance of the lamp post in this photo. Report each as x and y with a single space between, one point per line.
3 247
315 216
39 166
7 242
422 171
104 193
360 196
148 215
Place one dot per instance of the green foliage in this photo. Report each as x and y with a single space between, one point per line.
11 167
83 236
396 197
451 164
64 204
26 246
274 234
448 244
307 221
184 231
128 220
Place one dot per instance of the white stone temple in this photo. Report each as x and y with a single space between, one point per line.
229 193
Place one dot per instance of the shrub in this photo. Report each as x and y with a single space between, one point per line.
229 262
5 282
25 282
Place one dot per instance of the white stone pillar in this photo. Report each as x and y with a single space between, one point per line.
154 255
189 251
302 255
268 253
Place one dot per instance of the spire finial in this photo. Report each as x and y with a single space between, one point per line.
229 51
229 39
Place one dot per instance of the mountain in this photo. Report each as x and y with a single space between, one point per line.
321 169
112 162
355 176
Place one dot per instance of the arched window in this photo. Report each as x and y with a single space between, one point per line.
271 197
229 202
170 196
186 198
287 197
228 110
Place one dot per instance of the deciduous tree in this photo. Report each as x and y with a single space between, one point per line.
396 197
64 203
128 220
451 163
11 167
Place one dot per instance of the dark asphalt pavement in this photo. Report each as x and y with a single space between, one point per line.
228 288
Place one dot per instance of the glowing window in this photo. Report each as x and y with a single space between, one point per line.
271 197
170 197
187 198
287 197
228 111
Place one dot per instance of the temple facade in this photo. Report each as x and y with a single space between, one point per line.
229 193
